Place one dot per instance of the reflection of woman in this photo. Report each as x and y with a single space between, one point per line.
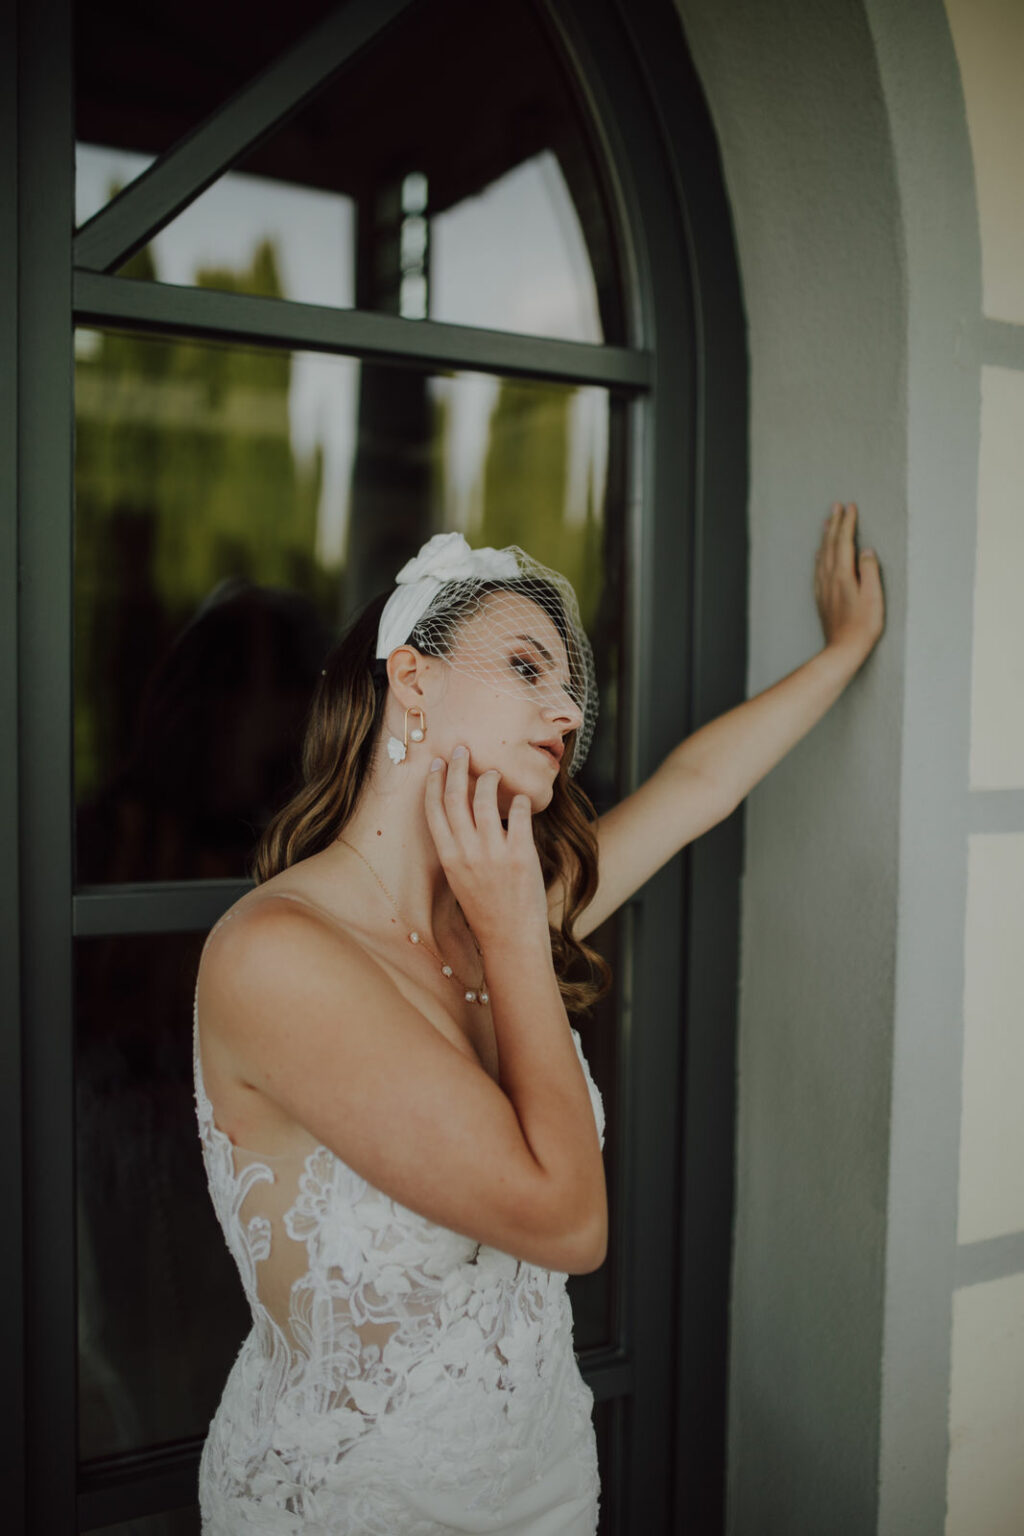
401 1135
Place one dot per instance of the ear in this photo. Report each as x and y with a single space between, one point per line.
408 674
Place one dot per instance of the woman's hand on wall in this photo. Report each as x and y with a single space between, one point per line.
850 601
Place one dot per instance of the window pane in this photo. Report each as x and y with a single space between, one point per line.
175 1522
465 192
161 1312
594 1297
233 507
608 1424
247 234
146 75
161 1308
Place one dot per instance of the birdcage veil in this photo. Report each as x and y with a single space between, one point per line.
448 583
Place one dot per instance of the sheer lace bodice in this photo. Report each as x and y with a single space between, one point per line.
399 1378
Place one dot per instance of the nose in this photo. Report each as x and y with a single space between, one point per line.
564 712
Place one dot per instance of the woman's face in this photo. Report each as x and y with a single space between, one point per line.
505 697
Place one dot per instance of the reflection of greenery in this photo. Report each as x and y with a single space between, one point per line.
185 475
525 489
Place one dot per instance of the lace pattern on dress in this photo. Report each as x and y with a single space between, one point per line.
396 1370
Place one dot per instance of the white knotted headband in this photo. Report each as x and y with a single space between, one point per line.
444 558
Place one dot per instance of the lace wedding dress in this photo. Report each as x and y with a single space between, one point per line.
399 1379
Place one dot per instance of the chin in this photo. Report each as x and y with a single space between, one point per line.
539 797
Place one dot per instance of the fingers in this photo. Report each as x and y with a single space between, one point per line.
437 819
836 550
520 820
845 540
456 797
485 806
456 818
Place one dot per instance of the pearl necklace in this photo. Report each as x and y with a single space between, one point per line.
472 994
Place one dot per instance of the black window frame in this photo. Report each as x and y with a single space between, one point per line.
685 371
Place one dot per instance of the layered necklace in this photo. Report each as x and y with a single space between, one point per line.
477 994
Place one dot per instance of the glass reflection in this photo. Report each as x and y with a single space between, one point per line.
161 1310
465 193
161 1313
306 233
146 75
233 507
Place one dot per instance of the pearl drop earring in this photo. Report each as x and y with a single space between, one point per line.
398 750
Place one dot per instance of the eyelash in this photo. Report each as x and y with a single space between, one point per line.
530 671
526 668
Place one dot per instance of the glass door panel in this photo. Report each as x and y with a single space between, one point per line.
234 508
146 75
161 1311
466 192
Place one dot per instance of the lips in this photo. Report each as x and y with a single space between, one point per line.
552 750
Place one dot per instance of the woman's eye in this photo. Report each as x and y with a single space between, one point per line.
526 668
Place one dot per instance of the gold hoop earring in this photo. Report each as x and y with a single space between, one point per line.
418 731
398 750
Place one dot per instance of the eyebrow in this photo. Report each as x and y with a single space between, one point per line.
545 654
532 640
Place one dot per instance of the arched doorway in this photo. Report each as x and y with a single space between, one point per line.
213 387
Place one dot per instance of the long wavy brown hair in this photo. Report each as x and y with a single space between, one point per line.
342 732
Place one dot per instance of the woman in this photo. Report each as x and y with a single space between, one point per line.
402 1139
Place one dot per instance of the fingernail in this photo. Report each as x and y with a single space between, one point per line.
436 764
460 752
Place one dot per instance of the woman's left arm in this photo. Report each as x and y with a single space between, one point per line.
706 777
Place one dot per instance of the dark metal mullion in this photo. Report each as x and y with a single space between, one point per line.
45 213
714 863
165 309
173 906
131 1487
687 1017
12 1442
150 202
660 663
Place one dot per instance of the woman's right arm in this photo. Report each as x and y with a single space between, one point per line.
319 1028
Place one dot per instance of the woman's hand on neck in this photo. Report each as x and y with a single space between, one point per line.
389 828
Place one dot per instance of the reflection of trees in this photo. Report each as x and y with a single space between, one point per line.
199 635
185 476
525 488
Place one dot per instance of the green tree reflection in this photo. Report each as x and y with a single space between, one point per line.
185 475
524 494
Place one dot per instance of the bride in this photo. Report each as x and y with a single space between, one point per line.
401 1135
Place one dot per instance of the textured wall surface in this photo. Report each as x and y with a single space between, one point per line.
997 692
795 98
985 1480
847 159
989 38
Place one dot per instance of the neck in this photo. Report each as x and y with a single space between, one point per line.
389 828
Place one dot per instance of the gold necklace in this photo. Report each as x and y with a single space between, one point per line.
472 994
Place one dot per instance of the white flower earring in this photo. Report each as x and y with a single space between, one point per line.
398 750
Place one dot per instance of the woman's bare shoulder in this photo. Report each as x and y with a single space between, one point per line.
272 940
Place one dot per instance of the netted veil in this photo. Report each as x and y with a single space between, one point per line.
449 583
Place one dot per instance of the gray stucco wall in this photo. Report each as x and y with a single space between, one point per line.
928 127
796 100
847 163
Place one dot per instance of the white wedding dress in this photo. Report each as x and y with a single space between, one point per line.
399 1379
